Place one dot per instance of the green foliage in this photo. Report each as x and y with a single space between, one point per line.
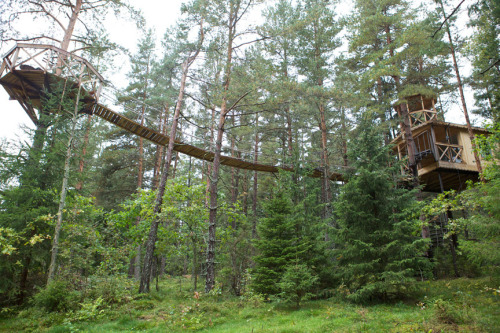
453 312
483 47
25 220
470 302
286 236
90 310
393 56
8 238
480 227
379 250
114 289
297 283
236 249
276 234
56 296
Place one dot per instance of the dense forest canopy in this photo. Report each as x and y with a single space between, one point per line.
312 87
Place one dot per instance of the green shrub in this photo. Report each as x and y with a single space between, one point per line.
251 298
453 313
91 309
113 290
297 283
57 296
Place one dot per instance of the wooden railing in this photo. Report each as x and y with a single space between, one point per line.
422 116
449 153
50 59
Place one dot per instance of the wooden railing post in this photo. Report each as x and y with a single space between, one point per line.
433 145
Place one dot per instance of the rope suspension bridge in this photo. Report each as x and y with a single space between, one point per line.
30 71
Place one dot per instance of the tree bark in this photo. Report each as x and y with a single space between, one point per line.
210 276
160 151
68 33
81 165
462 96
235 178
152 236
64 191
255 179
153 231
136 262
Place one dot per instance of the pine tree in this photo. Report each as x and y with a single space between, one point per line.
379 251
484 48
317 42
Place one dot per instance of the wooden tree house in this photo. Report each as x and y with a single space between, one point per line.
443 150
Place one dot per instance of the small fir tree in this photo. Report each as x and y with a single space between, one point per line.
297 283
276 233
286 240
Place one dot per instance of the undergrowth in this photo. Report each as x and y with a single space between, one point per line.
460 305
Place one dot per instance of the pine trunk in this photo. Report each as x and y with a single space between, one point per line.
214 180
68 33
153 231
255 179
462 96
81 165
64 191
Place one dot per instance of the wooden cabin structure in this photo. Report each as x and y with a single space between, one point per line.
443 150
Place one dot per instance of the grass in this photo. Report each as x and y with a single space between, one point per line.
460 305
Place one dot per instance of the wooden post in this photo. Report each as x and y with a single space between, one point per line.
433 144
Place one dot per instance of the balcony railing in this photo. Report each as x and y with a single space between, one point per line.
422 116
449 152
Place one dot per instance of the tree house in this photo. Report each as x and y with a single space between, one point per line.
443 150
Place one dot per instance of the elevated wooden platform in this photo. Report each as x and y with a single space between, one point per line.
444 154
28 84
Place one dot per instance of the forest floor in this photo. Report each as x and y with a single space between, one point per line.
458 305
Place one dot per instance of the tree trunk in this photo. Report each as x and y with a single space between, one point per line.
64 191
153 231
160 151
245 192
23 281
68 33
462 97
235 177
287 110
326 197
79 185
255 179
210 276
136 262
195 265
35 153
344 137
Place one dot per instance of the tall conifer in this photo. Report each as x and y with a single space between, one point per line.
379 250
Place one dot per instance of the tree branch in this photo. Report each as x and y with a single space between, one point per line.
448 17
32 38
253 41
490 67
237 101
48 13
